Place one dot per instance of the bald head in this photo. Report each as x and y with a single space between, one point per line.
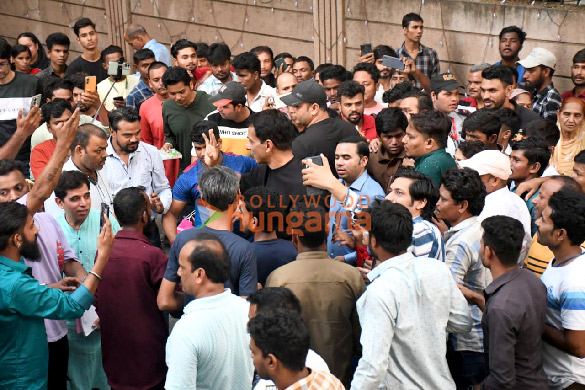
285 83
136 36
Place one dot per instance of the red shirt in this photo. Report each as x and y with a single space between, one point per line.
152 132
571 93
133 329
369 127
40 155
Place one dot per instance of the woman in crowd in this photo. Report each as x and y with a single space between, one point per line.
572 139
20 57
38 56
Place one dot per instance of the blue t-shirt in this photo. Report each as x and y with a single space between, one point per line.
186 188
243 274
272 254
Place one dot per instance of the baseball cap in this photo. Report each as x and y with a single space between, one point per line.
444 82
539 56
232 90
308 91
492 162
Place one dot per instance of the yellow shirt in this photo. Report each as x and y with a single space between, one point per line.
539 256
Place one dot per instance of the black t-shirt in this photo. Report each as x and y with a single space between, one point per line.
91 68
322 137
272 254
15 96
526 116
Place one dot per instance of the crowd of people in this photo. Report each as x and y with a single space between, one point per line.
371 227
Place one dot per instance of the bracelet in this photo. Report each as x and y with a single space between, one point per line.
96 275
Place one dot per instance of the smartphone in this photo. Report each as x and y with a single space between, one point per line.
392 62
118 98
90 83
317 160
105 213
36 101
366 48
278 63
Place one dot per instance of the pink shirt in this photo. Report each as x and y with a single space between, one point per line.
374 110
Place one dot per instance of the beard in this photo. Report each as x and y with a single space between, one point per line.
149 228
30 250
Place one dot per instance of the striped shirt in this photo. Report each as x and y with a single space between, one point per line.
427 61
547 102
462 243
212 84
139 94
317 380
427 240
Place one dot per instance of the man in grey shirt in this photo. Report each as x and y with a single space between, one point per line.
514 307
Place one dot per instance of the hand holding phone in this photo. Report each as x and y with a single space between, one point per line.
393 62
104 214
90 83
366 48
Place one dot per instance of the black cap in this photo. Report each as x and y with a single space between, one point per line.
232 90
308 91
444 82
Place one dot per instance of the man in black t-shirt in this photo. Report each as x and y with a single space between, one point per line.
307 106
16 91
89 61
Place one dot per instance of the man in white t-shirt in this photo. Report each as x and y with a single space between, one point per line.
280 298
562 228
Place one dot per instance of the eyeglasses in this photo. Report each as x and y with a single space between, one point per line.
4 64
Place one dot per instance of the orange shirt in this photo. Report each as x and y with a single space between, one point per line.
40 155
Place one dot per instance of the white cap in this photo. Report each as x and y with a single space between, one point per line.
539 56
492 162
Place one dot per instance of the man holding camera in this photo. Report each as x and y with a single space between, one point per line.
119 83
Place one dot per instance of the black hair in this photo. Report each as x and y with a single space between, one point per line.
485 121
579 57
270 298
305 59
391 224
180 45
322 67
504 235
216 264
389 120
122 114
367 67
568 213
264 204
174 75
422 187
56 83
310 221
335 72
465 184
157 65
55 108
425 102
567 182
218 53
13 216
514 29
4 50
17 49
70 180
202 49
84 134
41 54
9 166
78 79
112 49
246 61
281 333
470 147
57 39
411 17
535 151
399 92
284 54
275 126
432 124
130 204
580 157
545 129
141 55
219 187
263 49
499 72
384 50
360 143
510 120
348 88
81 23
203 127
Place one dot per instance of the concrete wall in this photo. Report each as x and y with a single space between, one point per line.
463 32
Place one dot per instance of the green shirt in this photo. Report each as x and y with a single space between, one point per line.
24 304
179 120
434 164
